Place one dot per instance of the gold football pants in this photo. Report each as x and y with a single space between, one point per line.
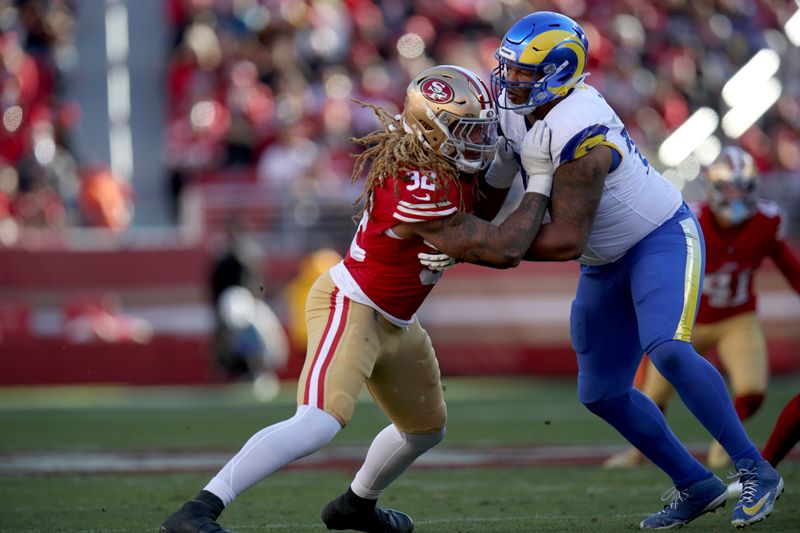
351 344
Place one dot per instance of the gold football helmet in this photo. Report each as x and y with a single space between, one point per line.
451 111
732 185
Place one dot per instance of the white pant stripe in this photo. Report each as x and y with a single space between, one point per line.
325 352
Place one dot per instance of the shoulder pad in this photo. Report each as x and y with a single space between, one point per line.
582 142
769 209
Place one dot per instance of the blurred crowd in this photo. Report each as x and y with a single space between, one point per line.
262 89
41 182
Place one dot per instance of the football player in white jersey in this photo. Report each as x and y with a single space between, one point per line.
641 252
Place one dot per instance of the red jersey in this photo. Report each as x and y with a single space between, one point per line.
381 269
734 255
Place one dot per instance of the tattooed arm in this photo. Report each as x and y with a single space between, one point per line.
577 187
468 238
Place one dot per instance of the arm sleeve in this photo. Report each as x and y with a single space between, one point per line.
788 263
781 253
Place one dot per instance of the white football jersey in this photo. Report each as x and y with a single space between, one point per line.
636 198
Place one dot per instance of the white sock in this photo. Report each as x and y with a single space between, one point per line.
389 455
272 448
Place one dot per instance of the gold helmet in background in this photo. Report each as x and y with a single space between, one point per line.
732 185
451 111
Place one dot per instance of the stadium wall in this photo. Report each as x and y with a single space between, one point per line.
481 321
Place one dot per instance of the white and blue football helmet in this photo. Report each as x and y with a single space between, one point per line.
550 51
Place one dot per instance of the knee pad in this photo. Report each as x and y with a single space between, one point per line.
424 441
669 355
747 405
601 407
630 410
422 423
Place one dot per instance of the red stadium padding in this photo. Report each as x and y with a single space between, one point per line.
482 322
185 361
164 361
67 269
59 268
15 320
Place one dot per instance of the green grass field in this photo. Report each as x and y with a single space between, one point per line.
485 414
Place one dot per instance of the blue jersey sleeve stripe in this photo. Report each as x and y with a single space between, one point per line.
587 139
616 158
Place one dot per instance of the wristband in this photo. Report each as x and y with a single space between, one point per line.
540 183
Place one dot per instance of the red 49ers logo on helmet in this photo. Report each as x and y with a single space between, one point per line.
437 91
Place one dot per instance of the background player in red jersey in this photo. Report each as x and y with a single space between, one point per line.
740 231
785 434
362 329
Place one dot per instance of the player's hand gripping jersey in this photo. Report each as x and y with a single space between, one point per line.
636 198
734 255
382 270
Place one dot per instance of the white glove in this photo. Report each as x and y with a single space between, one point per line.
536 160
504 166
437 262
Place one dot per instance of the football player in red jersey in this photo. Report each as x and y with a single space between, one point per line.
424 170
740 231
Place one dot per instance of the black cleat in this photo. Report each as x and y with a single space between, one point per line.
196 516
339 514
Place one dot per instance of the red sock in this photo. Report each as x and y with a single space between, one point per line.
785 434
641 373
747 405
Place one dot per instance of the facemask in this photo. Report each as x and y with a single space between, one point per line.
737 212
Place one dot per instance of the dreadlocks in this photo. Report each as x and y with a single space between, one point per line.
392 149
